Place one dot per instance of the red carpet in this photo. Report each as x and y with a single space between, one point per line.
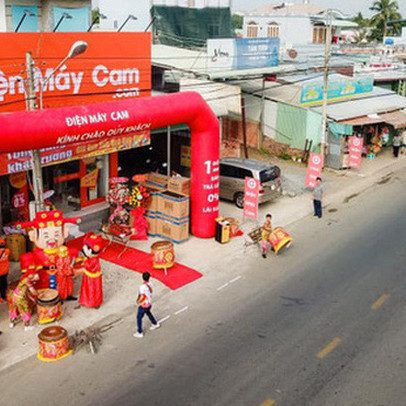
140 261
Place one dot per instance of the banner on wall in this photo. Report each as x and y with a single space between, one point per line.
355 152
21 161
115 66
251 198
314 168
185 156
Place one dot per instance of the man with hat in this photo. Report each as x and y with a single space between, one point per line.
91 290
4 267
48 233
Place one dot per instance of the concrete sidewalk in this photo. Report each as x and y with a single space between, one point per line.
120 284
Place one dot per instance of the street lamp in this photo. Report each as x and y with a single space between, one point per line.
130 17
96 20
79 47
152 22
27 13
63 16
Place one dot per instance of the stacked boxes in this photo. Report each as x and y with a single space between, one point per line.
179 185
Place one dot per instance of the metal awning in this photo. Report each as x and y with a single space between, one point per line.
364 120
396 118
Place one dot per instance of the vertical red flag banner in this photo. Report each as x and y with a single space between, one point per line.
355 152
251 198
314 169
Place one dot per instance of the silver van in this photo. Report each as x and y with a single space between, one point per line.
233 172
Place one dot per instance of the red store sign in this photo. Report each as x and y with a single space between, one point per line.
314 169
355 152
251 198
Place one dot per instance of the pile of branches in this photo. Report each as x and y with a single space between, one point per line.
91 337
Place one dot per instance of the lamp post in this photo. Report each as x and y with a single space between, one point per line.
63 16
96 20
27 13
152 22
77 48
130 17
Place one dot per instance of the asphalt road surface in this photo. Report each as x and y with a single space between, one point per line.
323 324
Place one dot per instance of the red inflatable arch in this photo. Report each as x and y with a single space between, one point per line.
28 130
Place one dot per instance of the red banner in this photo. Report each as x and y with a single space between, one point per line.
314 169
21 161
355 152
251 198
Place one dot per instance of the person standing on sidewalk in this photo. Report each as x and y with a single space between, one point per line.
144 301
318 194
4 267
396 143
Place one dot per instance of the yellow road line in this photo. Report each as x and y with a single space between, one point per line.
330 347
380 302
268 402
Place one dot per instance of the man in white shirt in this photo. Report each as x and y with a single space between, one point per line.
144 301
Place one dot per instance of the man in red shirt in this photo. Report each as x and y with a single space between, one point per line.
4 266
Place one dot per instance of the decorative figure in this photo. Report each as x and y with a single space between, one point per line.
48 233
91 291
64 273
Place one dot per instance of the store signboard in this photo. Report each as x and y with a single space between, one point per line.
338 89
185 156
314 169
21 161
251 198
355 152
115 66
242 53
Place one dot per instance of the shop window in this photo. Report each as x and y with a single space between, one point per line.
252 30
273 30
25 18
319 34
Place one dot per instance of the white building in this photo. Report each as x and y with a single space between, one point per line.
45 15
294 23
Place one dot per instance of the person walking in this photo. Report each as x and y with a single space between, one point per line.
144 301
4 267
318 194
396 143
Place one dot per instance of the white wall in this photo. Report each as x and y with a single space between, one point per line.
2 16
292 29
117 11
193 3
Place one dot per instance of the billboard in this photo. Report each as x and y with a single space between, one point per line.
338 89
242 53
251 198
115 66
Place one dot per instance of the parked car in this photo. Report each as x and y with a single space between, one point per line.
233 172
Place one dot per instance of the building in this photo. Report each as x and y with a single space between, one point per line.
45 15
294 23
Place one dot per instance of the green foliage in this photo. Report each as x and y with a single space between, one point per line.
285 156
363 27
96 15
386 10
236 21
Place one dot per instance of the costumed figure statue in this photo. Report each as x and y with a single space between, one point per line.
266 233
91 291
64 274
23 298
48 233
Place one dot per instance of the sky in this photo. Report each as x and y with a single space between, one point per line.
350 7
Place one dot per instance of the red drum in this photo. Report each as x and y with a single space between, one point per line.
48 306
163 255
53 344
279 238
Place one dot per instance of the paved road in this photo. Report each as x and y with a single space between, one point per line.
322 325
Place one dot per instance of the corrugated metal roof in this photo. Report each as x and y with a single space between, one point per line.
287 9
397 118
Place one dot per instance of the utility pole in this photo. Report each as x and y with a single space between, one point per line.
327 55
36 156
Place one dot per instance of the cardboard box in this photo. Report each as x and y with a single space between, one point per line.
160 181
154 191
179 185
174 231
173 205
152 225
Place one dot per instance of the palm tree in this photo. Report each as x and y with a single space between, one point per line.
363 27
386 10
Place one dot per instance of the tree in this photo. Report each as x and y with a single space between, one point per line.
364 25
237 21
386 10
96 15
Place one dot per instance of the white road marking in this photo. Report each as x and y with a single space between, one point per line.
235 279
164 319
223 286
181 310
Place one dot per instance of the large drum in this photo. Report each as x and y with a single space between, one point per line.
279 238
53 344
163 255
48 306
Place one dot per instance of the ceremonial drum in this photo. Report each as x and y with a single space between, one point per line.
279 238
48 306
163 254
53 344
